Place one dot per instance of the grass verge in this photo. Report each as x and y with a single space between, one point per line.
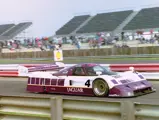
72 60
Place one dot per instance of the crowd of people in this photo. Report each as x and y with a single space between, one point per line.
94 41
41 43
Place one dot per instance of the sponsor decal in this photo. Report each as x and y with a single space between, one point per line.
58 55
53 88
76 90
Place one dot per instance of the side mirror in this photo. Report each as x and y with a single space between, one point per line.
98 72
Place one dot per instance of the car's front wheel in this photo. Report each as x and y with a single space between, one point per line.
100 88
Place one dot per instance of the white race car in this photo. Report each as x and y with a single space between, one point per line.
91 80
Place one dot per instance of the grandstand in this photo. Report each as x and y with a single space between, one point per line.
105 22
17 29
72 25
146 18
9 31
128 21
5 27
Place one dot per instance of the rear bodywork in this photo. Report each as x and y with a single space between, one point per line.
47 67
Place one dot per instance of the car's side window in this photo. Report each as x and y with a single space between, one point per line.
78 71
91 72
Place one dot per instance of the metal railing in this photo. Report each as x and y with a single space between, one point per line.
56 108
25 107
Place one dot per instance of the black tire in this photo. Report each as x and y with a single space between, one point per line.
100 88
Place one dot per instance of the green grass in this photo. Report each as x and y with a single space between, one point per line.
70 60
110 59
130 58
18 61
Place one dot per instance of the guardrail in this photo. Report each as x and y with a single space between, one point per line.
56 108
149 67
9 70
91 110
150 71
29 108
151 76
146 111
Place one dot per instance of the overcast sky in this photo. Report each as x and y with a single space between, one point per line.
49 15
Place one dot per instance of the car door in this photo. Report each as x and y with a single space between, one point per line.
79 78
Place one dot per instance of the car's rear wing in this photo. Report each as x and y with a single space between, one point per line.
49 67
24 71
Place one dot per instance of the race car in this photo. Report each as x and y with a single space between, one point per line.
90 79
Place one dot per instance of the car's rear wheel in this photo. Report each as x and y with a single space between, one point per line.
100 88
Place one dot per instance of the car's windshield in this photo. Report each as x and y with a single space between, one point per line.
98 68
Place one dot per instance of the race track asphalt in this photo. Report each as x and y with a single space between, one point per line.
17 87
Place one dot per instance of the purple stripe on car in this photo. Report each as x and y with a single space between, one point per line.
114 81
123 81
140 76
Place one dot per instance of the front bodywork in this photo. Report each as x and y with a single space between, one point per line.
132 89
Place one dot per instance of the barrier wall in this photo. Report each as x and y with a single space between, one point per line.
149 67
86 52
150 71
56 108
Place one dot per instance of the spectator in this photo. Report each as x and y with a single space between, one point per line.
98 40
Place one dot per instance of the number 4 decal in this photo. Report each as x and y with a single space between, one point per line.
87 83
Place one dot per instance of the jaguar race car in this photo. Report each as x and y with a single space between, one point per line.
90 79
